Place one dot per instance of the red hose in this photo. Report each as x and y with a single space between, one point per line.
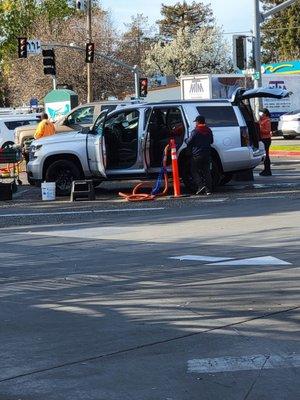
134 196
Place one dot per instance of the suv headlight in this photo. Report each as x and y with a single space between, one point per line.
32 150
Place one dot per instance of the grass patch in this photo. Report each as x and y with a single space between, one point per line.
285 148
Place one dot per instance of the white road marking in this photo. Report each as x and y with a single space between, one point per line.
261 197
200 258
268 260
214 200
81 212
244 363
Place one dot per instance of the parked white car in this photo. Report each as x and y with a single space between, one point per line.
289 124
128 143
8 124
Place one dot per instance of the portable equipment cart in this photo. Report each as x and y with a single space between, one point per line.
10 159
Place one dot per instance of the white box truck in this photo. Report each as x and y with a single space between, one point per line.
211 86
291 83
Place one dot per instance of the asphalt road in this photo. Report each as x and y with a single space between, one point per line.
173 299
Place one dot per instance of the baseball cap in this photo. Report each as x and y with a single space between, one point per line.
200 119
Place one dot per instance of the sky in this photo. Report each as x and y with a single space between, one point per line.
233 15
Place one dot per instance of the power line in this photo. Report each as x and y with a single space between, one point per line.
263 29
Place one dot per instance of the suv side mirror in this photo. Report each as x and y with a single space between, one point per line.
86 130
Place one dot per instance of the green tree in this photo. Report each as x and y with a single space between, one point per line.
16 19
133 45
189 53
281 32
182 15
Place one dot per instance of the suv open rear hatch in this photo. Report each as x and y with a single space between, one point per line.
243 94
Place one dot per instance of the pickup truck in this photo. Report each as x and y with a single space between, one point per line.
81 116
128 142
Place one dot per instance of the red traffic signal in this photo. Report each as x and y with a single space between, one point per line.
89 53
143 87
22 47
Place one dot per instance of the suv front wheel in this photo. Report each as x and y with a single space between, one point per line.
63 173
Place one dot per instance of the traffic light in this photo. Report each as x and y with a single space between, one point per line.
143 87
239 52
89 53
49 62
22 47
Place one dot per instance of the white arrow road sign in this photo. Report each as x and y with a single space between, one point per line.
200 258
267 260
34 46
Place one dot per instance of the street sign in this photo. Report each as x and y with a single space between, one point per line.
33 103
34 46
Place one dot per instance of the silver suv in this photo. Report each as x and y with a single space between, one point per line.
128 142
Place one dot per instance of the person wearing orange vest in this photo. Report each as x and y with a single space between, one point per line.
265 137
44 128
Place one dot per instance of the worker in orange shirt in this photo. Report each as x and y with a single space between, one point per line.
266 138
44 128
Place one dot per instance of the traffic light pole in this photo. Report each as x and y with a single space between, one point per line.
258 19
54 81
89 39
136 72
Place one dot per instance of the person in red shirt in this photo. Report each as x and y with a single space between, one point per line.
266 138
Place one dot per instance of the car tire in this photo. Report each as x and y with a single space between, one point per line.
216 173
289 137
186 175
63 173
226 178
30 181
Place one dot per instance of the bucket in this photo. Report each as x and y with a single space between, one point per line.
48 191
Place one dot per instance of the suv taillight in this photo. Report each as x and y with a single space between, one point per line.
245 141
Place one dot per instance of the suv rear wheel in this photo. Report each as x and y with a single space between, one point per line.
186 175
63 173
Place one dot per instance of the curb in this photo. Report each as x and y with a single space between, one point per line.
284 153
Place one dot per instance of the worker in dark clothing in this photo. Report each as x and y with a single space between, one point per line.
200 143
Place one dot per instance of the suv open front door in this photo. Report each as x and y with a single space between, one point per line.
96 151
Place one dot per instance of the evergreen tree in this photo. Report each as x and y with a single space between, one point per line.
182 15
281 32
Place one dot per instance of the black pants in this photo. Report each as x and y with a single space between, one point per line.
201 171
267 162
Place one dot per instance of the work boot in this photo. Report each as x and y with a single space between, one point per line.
265 173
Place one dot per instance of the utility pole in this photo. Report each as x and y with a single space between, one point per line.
89 39
260 17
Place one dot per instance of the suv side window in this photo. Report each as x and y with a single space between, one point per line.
12 125
108 107
218 116
82 116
